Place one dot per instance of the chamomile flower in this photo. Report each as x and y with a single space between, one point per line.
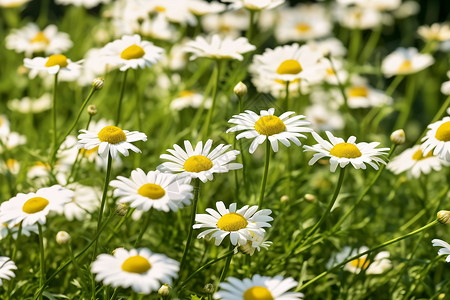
256 243
254 4
85 201
413 161
258 287
6 229
110 139
85 3
33 208
435 32
12 140
445 250
217 48
267 126
376 265
157 190
131 52
200 162
28 105
6 267
201 7
139 269
324 118
53 64
438 138
356 17
405 61
343 153
189 98
238 224
362 95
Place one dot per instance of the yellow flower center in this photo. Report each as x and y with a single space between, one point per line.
361 263
40 38
290 66
257 293
330 72
34 205
159 8
152 191
57 60
232 222
303 27
418 155
10 163
269 125
112 135
197 163
405 66
187 93
89 152
346 150
136 264
358 91
132 52
443 132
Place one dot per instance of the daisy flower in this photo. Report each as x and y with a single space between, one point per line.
139 269
131 52
258 287
362 95
30 39
324 118
445 250
404 61
28 105
12 140
85 3
438 138
329 46
156 190
6 229
413 161
4 126
256 243
6 267
254 4
199 162
378 265
33 208
266 126
217 48
356 17
238 224
110 139
85 201
12 3
53 64
201 7
435 32
189 99
445 87
342 153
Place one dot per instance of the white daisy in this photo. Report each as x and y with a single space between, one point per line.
28 105
6 229
12 3
175 11
12 140
266 126
438 138
201 7
189 98
361 95
53 64
378 265
445 250
445 87
131 52
413 161
329 46
11 165
254 4
200 162
435 32
356 17
258 287
84 202
85 3
33 208
159 28
157 190
4 126
217 48
238 224
256 243
30 39
324 118
139 269
342 153
405 61
6 267
110 139
230 23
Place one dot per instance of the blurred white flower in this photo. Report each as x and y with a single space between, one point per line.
12 3
378 265
28 105
445 250
189 99
445 87
435 32
405 61
86 3
254 4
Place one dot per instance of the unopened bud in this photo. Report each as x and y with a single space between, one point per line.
240 89
443 216
284 198
121 209
398 137
22 70
92 110
310 197
164 290
208 288
441 296
97 83
62 237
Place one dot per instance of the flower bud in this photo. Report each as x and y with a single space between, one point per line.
97 83
310 197
121 209
443 216
164 290
62 238
240 89
284 198
208 288
92 110
398 137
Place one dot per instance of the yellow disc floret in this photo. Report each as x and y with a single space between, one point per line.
57 60
358 91
346 150
360 263
405 66
112 135
232 222
197 163
257 293
40 38
151 191
132 52
418 155
136 264
443 132
269 125
34 205
290 66
303 27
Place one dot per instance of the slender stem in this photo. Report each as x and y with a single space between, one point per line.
407 103
264 178
367 252
371 43
355 42
116 292
196 184
214 97
143 228
54 140
122 90
227 265
394 84
286 95
119 224
250 25
436 117
42 256
73 169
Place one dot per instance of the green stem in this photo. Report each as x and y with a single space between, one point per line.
355 42
227 265
73 168
264 178
286 99
42 256
407 103
251 25
371 43
119 224
214 97
196 184
114 295
143 228
318 277
394 84
54 139
122 91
